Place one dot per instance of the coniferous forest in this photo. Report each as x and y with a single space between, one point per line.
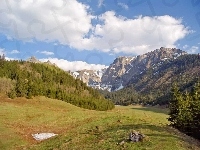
185 110
26 79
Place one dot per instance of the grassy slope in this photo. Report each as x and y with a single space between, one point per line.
84 129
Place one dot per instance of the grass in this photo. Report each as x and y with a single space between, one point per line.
85 129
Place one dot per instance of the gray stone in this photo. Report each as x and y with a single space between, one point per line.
135 136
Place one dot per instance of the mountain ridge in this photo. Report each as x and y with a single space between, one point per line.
153 86
124 68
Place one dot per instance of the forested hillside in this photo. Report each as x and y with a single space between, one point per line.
154 84
27 79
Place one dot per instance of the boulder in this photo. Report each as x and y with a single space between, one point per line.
135 136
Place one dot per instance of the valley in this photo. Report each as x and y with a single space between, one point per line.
99 75
38 97
79 128
146 78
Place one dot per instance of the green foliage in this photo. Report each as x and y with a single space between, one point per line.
6 85
34 79
12 94
125 96
185 111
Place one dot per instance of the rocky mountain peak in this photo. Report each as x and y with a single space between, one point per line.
123 60
90 77
33 59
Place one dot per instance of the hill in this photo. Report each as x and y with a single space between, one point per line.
79 128
29 79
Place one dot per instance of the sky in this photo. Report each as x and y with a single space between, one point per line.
86 34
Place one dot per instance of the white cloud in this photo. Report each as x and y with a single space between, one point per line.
139 35
14 52
100 3
185 46
63 21
46 52
8 58
69 23
124 6
2 51
193 50
74 65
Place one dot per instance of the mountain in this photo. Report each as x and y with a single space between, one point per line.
93 78
146 78
32 78
89 77
33 59
153 85
124 69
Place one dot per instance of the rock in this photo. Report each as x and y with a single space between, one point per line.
33 60
90 77
135 136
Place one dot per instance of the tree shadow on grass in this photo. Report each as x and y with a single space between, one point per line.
153 109
141 127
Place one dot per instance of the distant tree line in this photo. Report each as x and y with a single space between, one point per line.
185 110
28 79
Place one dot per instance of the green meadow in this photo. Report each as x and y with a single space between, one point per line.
82 129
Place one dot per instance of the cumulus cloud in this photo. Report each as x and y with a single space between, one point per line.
124 6
63 21
139 35
46 52
70 23
14 52
74 65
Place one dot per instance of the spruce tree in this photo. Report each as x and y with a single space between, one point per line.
174 105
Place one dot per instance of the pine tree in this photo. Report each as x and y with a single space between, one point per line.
195 108
174 105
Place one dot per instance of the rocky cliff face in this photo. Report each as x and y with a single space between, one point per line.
113 76
123 69
90 77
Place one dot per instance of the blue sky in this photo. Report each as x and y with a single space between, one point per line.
86 34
